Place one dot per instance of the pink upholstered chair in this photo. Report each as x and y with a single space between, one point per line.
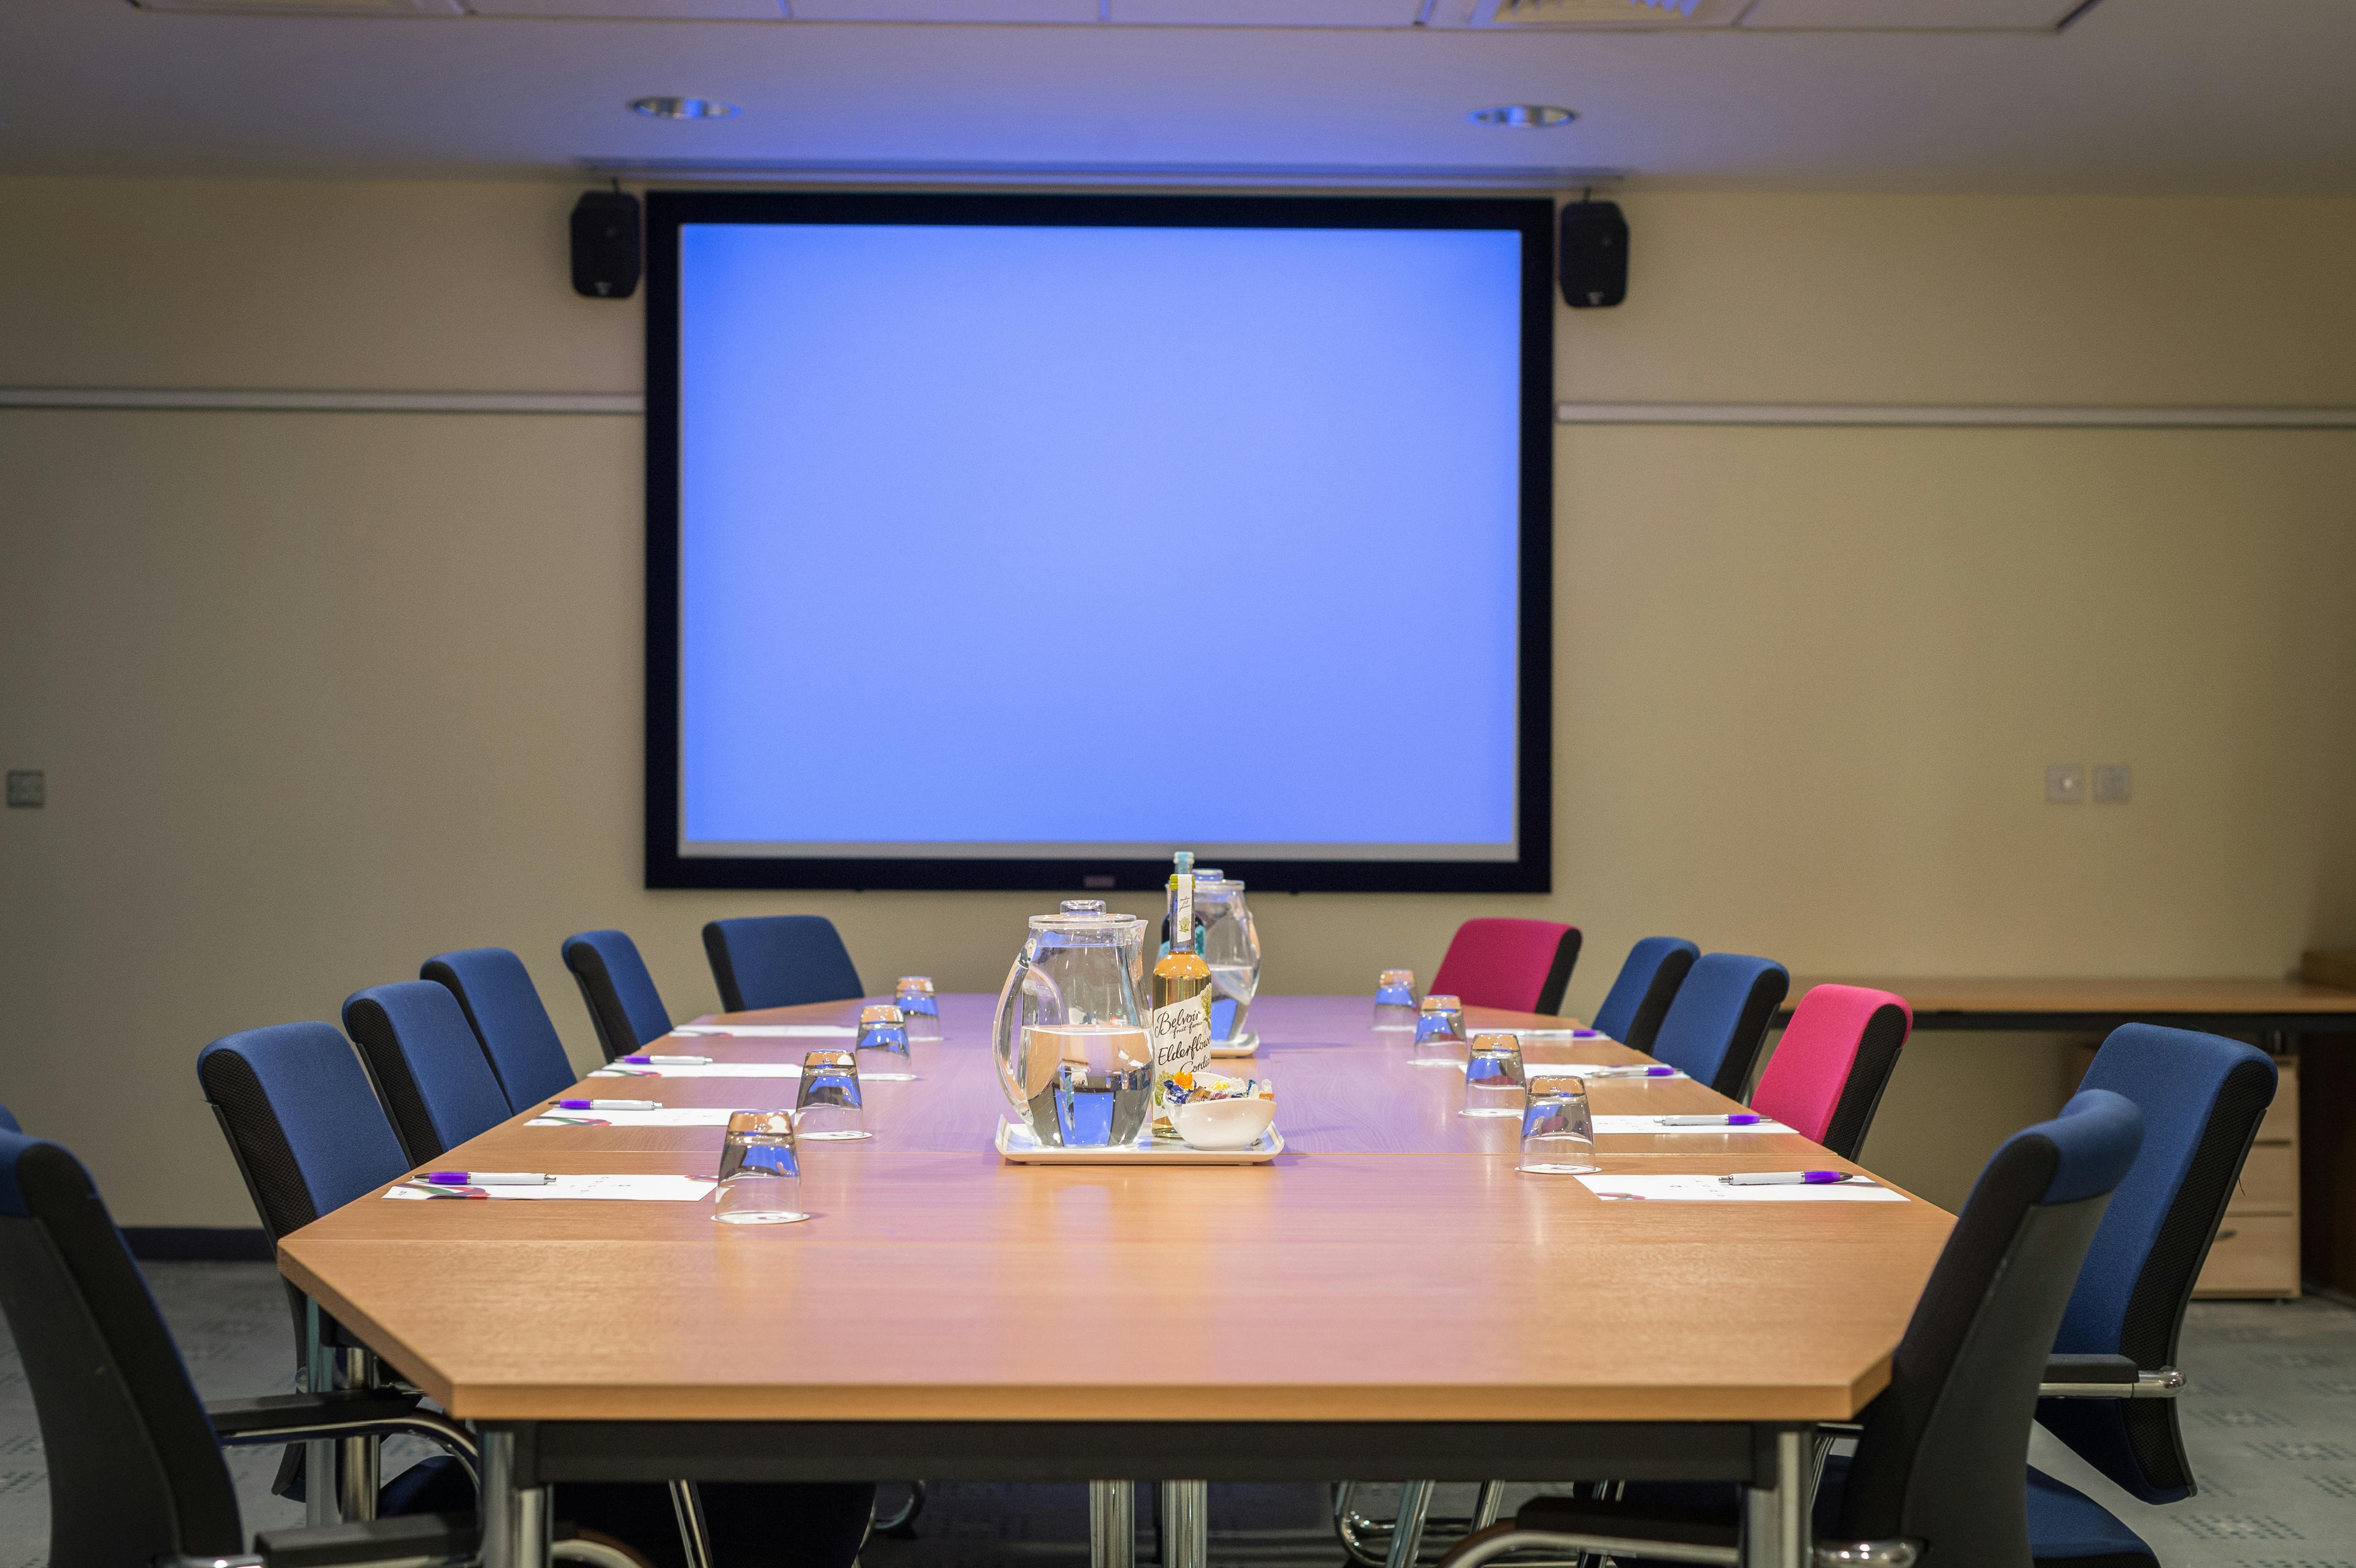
1523 965
1828 1072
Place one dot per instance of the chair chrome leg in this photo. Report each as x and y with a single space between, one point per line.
1484 1509
1185 1524
1406 1535
1113 1525
694 1537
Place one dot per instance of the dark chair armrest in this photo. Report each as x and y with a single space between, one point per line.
2107 1377
1705 1526
419 1538
233 1419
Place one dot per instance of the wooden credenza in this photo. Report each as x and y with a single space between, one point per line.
2257 1249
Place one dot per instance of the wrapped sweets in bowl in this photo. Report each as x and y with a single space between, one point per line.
1211 1111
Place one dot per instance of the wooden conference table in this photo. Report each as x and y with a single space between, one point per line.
1389 1298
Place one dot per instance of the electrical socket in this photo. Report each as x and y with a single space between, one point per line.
2065 784
28 787
2113 783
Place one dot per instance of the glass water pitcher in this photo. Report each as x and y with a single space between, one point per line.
1080 965
1231 947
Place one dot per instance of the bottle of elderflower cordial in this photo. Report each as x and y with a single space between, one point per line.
1180 1021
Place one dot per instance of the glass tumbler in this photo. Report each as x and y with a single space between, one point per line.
1492 1076
918 1006
828 1104
760 1171
1438 1033
882 1048
1394 1000
1558 1135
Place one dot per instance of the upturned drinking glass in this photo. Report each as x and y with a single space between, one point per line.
1492 1076
826 1106
760 1171
918 1005
1394 1000
1080 966
1557 1133
1438 1033
882 1048
1231 947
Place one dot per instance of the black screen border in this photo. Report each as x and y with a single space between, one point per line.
1531 871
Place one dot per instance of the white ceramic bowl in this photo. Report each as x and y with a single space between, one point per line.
1223 1123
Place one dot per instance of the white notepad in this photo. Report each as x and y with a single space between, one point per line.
703 1070
630 1189
1654 1125
771 1032
1711 1189
668 1117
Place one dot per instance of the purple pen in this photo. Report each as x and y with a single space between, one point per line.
1793 1179
485 1178
609 1105
1739 1119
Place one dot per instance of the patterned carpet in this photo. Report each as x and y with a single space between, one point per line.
2271 1422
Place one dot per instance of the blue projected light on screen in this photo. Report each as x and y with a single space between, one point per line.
1032 541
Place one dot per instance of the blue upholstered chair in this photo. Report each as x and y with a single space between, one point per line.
1937 1474
429 1069
495 993
1714 1029
310 1137
779 960
1647 984
2202 1097
135 1471
621 996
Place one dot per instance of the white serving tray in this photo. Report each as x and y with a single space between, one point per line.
1021 1147
1244 1044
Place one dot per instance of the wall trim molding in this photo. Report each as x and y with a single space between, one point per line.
267 401
2066 416
1995 416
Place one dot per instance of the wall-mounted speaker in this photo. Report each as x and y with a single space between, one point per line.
605 245
1593 259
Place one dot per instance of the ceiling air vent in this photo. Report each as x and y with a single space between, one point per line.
1676 15
309 7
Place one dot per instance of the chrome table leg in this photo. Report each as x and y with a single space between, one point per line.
320 1492
359 1466
1185 1524
516 1524
1775 1518
1113 1525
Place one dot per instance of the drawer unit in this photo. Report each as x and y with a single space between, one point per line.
2254 1254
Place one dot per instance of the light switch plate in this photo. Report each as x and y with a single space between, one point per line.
2065 784
28 787
2113 783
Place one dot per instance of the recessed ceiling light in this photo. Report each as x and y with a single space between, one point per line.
683 108
1526 116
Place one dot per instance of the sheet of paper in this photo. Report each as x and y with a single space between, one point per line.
1654 1125
703 1070
1711 1189
772 1031
668 1117
632 1188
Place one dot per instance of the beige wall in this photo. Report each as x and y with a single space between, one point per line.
319 694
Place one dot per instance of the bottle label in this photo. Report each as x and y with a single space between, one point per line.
1182 1043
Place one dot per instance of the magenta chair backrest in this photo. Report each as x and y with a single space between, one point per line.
1522 964
1834 1059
